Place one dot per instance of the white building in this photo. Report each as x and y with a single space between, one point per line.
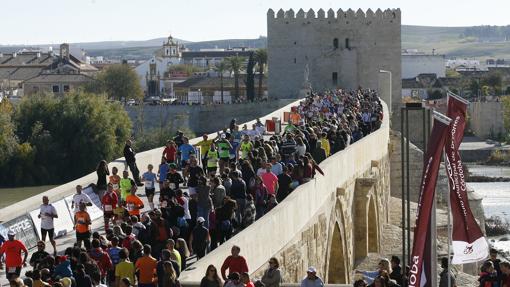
151 72
415 63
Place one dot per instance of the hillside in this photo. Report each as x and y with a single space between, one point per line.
476 41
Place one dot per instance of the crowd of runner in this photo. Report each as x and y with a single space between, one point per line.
208 192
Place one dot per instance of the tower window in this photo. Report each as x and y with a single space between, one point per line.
295 60
347 44
335 78
335 43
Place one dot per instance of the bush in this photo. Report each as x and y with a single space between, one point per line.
495 226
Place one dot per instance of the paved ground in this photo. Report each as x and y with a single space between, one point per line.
474 143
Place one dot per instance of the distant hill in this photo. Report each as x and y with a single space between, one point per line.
475 41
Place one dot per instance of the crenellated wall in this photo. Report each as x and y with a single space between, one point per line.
366 42
331 222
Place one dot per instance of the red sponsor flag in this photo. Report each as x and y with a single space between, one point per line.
469 244
420 265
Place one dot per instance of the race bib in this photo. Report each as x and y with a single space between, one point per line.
108 207
149 184
131 206
164 204
115 186
172 185
11 270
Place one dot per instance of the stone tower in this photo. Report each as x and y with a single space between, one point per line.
344 49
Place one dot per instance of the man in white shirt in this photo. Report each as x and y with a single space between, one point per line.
47 214
78 198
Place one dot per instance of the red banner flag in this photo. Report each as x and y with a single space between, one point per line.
420 266
469 244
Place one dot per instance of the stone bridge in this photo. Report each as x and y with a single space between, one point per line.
331 222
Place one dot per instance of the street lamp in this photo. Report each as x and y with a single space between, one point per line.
391 91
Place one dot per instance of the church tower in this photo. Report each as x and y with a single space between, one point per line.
172 50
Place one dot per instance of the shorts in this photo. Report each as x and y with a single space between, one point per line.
83 236
12 272
50 232
150 191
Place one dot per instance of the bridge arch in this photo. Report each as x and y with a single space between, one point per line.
337 263
366 221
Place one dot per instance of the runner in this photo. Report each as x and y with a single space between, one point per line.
12 249
109 202
126 184
82 226
170 152
47 214
134 203
174 179
204 146
149 179
129 155
211 158
186 150
163 172
79 198
224 147
115 180
245 147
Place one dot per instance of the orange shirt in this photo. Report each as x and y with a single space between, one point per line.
12 250
295 118
147 266
115 181
133 203
81 219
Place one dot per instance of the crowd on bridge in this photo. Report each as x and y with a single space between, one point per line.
208 192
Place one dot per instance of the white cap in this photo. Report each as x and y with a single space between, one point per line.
11 233
311 269
200 219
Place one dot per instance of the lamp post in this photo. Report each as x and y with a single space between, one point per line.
390 108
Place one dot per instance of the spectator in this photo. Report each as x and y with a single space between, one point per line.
129 155
311 279
211 278
272 276
234 263
443 282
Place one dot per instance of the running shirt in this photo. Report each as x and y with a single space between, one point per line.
163 171
82 218
186 150
224 149
204 145
150 179
233 150
246 148
125 187
79 198
115 181
12 250
109 202
47 221
212 158
169 153
133 203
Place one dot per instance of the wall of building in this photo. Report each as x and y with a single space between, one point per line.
486 119
200 118
301 39
328 222
415 64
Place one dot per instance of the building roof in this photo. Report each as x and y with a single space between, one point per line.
215 54
18 73
412 83
27 59
215 83
60 78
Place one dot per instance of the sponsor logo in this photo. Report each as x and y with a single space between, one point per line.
413 272
468 249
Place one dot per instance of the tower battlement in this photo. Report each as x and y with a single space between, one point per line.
339 15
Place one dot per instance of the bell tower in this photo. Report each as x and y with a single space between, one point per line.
171 49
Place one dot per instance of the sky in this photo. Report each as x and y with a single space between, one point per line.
57 21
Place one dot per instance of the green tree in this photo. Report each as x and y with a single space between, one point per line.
250 79
261 59
235 65
72 133
221 67
119 82
505 101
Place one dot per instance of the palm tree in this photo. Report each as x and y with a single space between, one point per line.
235 65
221 67
261 59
